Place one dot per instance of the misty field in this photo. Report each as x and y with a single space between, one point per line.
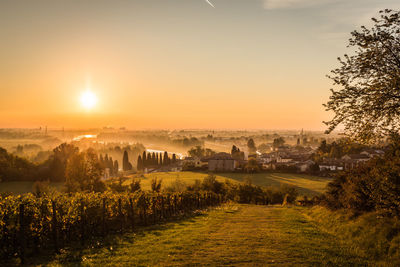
306 184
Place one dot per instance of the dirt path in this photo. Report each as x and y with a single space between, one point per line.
238 235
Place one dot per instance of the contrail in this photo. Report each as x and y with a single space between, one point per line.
210 3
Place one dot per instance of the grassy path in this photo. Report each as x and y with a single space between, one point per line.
237 235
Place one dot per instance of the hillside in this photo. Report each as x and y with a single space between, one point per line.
235 235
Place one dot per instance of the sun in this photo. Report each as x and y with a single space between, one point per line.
88 99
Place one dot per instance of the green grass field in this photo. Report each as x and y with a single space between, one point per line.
233 235
306 184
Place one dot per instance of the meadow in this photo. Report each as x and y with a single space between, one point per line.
306 184
232 235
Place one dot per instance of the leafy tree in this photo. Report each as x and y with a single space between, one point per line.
58 162
14 168
368 101
200 152
210 183
252 166
278 142
83 172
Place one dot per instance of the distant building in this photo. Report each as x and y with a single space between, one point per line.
356 157
221 162
373 153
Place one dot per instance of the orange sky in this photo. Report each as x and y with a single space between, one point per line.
172 64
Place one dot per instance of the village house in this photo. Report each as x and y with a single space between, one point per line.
332 165
222 162
347 162
373 152
356 157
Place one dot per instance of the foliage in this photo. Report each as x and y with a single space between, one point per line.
368 102
370 235
374 185
252 166
135 185
29 224
278 142
200 152
338 149
13 168
83 172
156 185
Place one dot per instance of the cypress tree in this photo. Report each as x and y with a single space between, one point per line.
166 158
173 158
144 159
139 163
116 167
161 159
126 165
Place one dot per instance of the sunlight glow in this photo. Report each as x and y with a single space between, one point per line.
88 99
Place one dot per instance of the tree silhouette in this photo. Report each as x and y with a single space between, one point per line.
126 165
368 101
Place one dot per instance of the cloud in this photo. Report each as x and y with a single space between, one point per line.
285 4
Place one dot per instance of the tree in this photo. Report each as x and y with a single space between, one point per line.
160 163
234 150
83 172
116 167
144 158
252 165
126 165
139 163
58 161
200 152
166 159
278 142
251 146
368 101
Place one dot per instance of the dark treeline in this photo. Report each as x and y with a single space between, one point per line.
65 163
14 168
155 160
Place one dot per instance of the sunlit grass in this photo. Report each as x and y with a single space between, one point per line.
239 235
306 184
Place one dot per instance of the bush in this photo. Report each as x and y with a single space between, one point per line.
156 185
374 185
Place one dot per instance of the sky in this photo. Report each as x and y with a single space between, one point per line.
166 64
